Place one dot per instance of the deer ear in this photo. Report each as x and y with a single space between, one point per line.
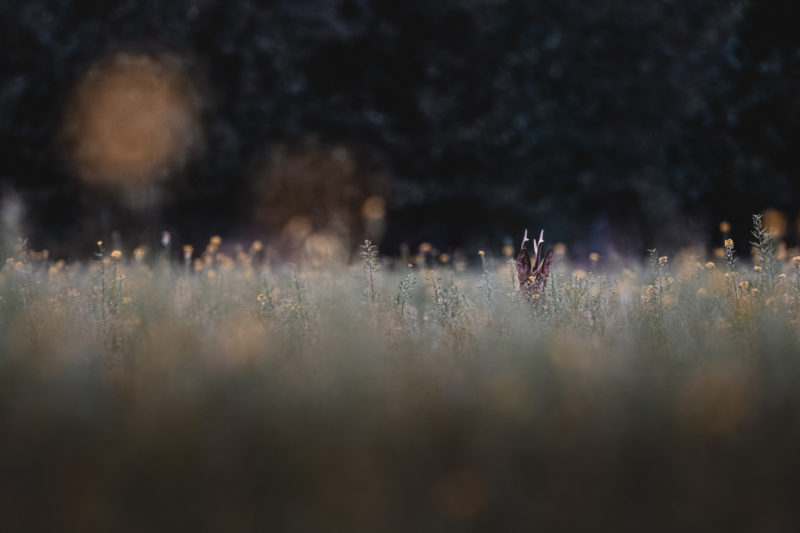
523 266
546 264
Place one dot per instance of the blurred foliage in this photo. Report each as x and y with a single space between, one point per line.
652 117
223 394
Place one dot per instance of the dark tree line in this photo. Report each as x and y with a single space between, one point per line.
644 118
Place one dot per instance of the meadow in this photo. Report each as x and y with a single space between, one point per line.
219 391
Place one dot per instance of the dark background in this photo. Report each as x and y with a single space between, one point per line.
632 123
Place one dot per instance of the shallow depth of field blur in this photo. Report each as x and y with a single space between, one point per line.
257 265
221 392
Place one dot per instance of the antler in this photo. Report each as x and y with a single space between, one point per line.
537 245
524 240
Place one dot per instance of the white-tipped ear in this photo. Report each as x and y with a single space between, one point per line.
524 240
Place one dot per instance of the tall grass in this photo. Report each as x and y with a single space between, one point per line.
234 396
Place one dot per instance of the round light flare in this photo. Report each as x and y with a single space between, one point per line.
130 121
314 197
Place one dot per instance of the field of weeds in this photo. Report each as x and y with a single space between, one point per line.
226 393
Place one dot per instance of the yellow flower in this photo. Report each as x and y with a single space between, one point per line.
260 297
728 243
126 300
757 268
480 252
754 290
710 264
99 243
662 260
256 246
594 256
116 254
781 275
215 240
796 259
744 284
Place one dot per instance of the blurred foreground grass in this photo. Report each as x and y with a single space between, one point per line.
139 394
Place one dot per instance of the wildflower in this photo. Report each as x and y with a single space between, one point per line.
651 289
53 269
260 297
594 257
724 226
662 260
781 275
754 290
212 273
480 252
444 258
425 247
256 246
757 268
579 274
116 254
728 243
531 278
710 265
139 253
744 284
796 259
215 240
126 300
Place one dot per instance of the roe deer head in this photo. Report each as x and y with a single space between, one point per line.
532 277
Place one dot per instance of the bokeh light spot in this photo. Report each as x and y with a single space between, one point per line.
131 120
